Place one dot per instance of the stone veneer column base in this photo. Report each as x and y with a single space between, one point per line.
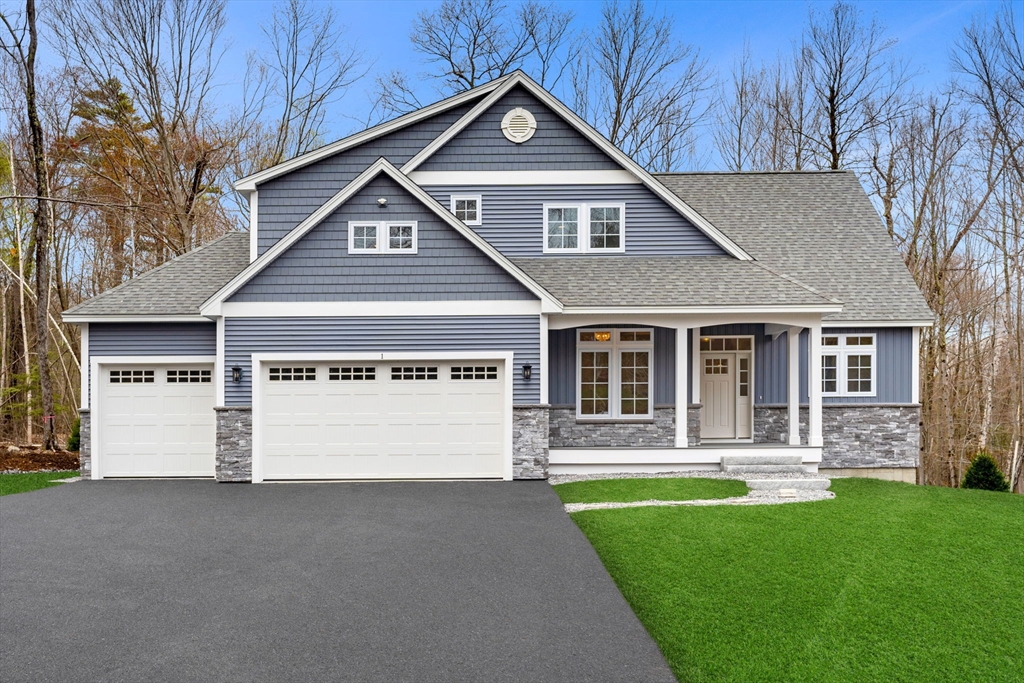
530 441
234 443
693 415
85 444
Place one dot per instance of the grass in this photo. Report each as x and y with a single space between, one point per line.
888 582
630 490
30 481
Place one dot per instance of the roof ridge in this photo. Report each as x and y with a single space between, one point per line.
152 271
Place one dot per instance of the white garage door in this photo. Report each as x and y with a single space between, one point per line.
382 420
156 421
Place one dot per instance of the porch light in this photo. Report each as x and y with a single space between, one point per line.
527 371
236 374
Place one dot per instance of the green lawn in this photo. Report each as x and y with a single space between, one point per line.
888 582
30 481
629 490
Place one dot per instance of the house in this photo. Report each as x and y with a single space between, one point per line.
486 288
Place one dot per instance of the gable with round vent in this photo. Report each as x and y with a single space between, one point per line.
518 125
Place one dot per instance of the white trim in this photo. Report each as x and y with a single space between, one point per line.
251 181
479 207
78 319
544 361
842 352
253 228
694 363
682 413
828 324
793 385
325 309
212 305
695 310
84 367
539 178
700 319
520 78
814 386
218 366
385 244
915 366
96 415
258 359
583 227
376 225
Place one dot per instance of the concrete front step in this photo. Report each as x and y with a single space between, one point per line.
761 460
762 469
777 484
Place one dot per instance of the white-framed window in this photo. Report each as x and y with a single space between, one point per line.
597 227
614 378
848 363
367 237
468 208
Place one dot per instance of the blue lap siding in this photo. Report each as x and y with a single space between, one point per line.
246 336
152 339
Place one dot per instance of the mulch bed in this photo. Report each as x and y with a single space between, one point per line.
34 459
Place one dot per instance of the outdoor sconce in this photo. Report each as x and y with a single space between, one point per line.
382 202
527 371
236 374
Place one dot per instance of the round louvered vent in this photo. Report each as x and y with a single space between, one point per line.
518 125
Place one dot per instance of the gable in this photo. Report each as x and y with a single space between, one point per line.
556 145
446 266
287 200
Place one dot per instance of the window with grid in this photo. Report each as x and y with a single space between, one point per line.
614 378
363 237
474 372
132 376
189 377
605 227
352 374
413 372
467 209
716 366
848 365
302 374
401 237
562 227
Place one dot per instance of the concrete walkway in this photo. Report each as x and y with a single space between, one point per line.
195 581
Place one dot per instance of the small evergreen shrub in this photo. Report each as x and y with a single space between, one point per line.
75 440
985 474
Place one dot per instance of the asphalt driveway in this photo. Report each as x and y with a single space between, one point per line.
195 581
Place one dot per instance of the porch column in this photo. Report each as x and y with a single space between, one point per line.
793 386
814 437
695 366
682 379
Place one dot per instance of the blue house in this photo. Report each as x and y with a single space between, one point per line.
487 288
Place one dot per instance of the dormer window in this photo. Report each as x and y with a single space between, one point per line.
367 237
467 208
584 228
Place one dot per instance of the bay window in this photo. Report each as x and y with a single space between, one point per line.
614 378
848 365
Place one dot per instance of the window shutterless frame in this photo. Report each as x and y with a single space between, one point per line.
363 237
848 363
620 354
600 225
468 208
369 237
397 235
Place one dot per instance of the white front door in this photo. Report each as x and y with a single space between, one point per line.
718 393
156 421
377 420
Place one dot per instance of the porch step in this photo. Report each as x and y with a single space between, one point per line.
762 469
806 484
730 460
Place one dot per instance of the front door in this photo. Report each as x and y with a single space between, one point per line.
718 393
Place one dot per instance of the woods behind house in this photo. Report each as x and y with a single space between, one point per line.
119 154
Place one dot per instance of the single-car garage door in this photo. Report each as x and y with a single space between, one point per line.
382 420
156 421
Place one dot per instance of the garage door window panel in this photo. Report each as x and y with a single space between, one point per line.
132 376
414 373
351 373
303 374
189 376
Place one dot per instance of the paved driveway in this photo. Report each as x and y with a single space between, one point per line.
195 581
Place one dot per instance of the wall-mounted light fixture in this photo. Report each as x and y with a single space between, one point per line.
527 371
382 202
236 374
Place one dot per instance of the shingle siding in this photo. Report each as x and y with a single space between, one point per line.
152 339
246 336
285 201
513 218
481 146
446 266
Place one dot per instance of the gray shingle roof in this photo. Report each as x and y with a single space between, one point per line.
177 287
681 281
817 227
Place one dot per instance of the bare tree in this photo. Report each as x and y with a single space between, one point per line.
742 117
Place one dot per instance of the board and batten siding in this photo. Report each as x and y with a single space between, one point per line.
246 336
446 266
284 202
555 145
513 218
893 355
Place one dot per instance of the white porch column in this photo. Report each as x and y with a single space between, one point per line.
695 366
682 379
814 386
793 386
84 365
543 359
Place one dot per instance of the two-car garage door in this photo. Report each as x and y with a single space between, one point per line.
375 420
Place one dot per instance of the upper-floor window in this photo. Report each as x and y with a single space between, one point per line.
366 237
848 365
585 228
467 208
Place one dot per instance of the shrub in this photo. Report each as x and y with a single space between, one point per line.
985 474
75 440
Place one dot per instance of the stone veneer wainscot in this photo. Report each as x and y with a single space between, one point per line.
234 443
530 442
85 444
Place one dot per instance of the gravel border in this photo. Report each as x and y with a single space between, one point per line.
752 498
